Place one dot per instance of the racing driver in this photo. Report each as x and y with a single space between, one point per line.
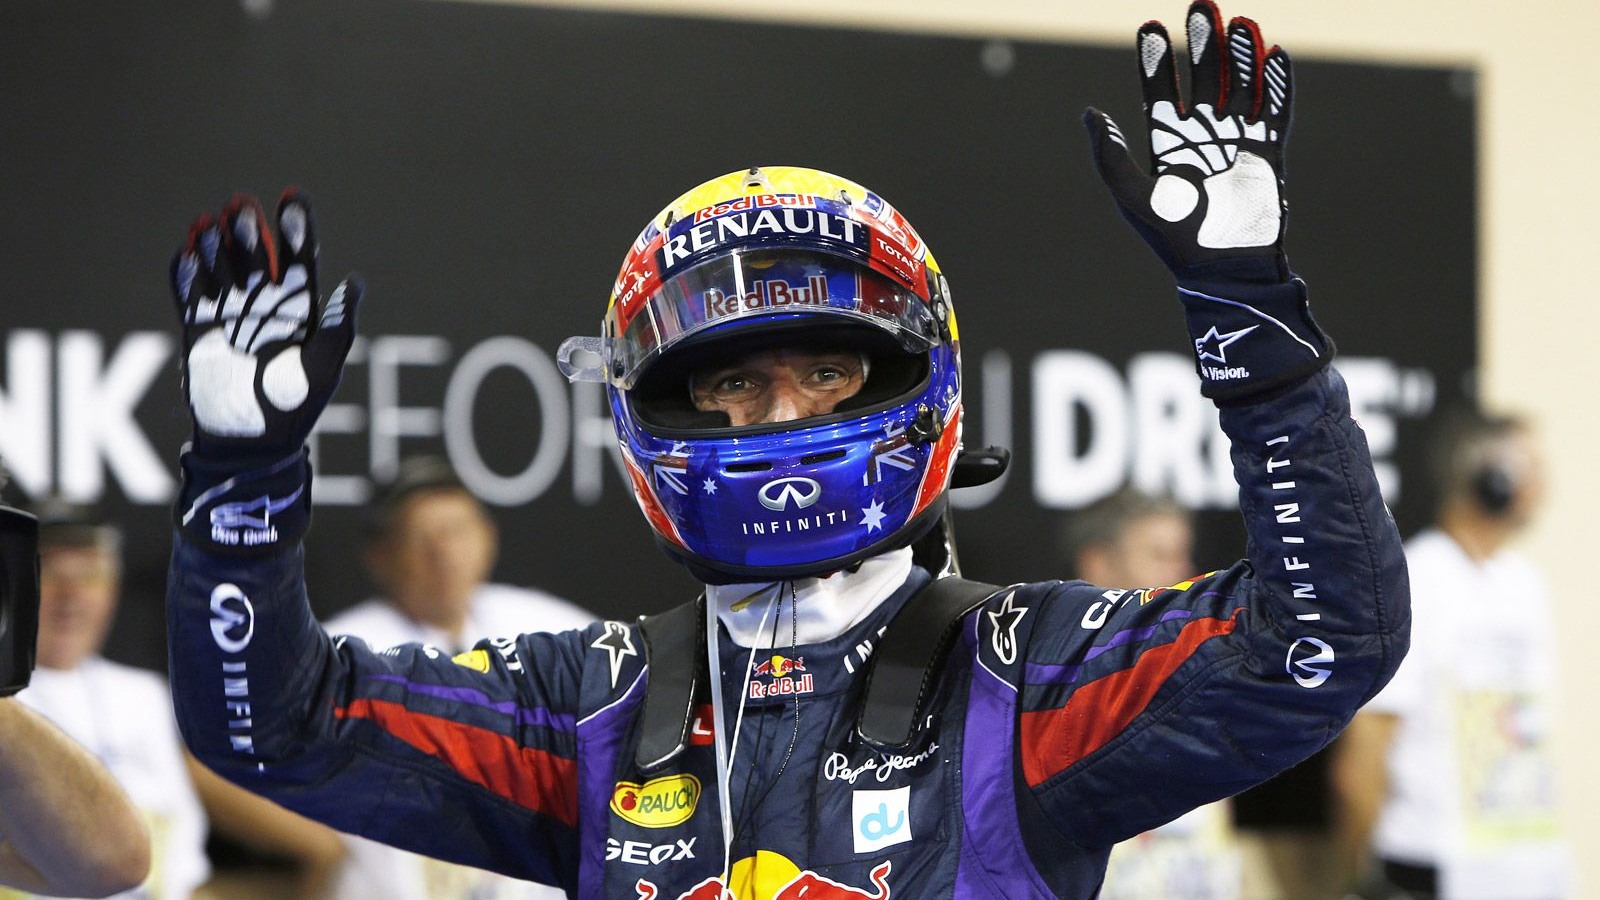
838 715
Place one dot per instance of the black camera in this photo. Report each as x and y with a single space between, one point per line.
19 598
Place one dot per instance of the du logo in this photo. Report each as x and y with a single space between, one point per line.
882 818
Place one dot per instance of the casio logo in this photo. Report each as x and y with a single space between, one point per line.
796 491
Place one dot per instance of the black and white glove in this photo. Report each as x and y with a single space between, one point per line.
1211 205
262 356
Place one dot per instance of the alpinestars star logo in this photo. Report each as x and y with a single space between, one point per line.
1004 622
618 643
1214 345
249 522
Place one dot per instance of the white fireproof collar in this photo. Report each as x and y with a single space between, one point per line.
824 607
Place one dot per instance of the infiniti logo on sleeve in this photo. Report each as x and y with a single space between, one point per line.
1310 661
796 491
233 619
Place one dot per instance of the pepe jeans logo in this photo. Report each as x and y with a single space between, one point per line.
659 802
796 491
233 619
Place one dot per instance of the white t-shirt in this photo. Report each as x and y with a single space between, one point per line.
377 870
124 717
1472 769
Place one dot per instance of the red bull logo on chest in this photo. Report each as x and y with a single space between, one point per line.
786 674
752 882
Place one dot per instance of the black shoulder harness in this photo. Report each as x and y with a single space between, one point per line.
675 651
902 671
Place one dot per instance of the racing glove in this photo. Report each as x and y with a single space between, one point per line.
1211 204
262 355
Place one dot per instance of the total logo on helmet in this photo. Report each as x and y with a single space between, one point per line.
753 882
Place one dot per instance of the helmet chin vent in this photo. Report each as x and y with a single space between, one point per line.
749 467
815 458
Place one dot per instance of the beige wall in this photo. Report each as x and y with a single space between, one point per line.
1540 226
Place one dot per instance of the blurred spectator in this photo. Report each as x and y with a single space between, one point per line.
1447 776
430 546
123 716
66 827
1131 539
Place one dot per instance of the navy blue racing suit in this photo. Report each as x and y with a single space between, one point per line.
1067 717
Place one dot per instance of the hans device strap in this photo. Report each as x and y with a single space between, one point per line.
675 651
900 676
909 657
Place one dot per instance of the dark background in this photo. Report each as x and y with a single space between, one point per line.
485 167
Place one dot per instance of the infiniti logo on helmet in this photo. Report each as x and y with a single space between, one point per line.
783 493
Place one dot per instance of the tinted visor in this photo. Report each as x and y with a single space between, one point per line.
750 285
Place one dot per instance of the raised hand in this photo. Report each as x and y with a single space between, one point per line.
261 353
1214 186
1211 202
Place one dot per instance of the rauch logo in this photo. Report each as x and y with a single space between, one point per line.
659 802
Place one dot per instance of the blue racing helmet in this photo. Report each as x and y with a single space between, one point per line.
780 257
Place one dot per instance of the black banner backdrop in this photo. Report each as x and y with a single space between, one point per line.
485 167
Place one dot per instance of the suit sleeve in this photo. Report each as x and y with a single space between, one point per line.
1136 706
471 759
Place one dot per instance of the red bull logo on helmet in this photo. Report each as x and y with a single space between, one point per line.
772 293
755 201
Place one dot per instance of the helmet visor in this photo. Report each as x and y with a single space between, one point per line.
734 291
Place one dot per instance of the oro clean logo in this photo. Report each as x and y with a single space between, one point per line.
1310 661
795 492
233 619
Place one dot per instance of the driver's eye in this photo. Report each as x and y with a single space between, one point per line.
729 384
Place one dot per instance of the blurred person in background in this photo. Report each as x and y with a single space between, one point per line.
66 826
1132 538
430 546
1445 783
123 717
